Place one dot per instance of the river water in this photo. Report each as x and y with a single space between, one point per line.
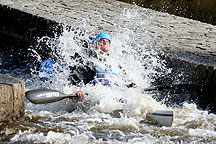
100 117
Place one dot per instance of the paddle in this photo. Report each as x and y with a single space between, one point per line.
43 96
161 117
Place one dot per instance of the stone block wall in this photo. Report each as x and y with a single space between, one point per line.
12 93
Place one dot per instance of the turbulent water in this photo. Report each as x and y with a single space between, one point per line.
100 117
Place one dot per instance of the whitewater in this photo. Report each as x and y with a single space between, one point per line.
99 118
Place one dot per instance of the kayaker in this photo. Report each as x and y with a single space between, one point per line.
94 73
103 72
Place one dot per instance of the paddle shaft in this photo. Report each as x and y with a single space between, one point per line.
170 87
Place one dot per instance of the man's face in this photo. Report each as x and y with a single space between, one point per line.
104 45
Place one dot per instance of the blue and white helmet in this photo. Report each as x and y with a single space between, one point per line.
100 36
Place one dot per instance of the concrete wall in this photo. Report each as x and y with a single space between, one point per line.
202 10
176 33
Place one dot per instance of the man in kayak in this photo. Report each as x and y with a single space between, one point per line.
103 72
98 71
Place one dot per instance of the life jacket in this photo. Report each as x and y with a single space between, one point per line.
105 75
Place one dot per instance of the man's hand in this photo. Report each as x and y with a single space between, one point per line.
80 94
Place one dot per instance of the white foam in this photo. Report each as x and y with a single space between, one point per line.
140 62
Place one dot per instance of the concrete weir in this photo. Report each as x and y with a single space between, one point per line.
186 42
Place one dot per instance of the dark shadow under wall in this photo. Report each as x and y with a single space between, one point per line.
189 81
18 32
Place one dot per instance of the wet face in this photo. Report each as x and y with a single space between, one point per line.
104 45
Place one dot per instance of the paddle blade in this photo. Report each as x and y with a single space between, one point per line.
43 96
162 117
